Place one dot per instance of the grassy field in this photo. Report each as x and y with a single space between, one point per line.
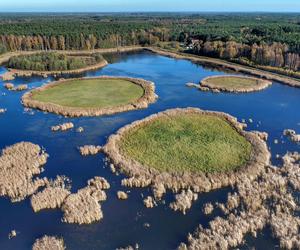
188 142
91 93
231 82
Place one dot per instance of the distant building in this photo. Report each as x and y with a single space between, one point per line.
192 43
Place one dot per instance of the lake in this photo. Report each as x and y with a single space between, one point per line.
272 110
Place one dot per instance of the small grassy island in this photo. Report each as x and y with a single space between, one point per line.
54 63
91 96
187 148
233 84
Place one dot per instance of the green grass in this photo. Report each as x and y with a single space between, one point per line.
91 93
188 142
231 82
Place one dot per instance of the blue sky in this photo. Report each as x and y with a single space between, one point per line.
153 5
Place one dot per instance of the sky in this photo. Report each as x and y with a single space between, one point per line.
147 5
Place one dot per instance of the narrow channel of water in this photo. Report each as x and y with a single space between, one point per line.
272 110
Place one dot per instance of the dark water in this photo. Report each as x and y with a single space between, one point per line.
272 110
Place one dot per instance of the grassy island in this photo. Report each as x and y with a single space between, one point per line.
91 96
189 142
234 84
187 148
91 93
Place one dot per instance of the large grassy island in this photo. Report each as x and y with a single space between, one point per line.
187 148
91 96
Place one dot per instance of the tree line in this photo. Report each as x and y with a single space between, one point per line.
264 39
77 41
274 55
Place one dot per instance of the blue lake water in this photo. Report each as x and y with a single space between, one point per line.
272 110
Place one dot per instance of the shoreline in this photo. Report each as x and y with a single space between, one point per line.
293 82
283 79
147 98
6 56
29 73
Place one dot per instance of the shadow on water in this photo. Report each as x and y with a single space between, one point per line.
272 110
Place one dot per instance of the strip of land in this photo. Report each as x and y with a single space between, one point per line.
294 82
229 65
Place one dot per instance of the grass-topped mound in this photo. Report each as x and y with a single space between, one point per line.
87 93
91 96
234 83
186 148
189 142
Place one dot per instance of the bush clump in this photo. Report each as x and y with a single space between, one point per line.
53 61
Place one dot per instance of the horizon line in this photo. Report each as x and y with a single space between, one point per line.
154 11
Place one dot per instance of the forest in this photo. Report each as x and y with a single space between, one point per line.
259 39
275 55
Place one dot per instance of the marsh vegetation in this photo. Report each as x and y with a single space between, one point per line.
19 166
49 242
186 149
